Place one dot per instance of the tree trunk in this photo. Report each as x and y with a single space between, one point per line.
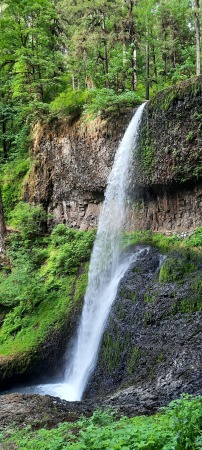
4 143
147 71
198 36
2 228
104 40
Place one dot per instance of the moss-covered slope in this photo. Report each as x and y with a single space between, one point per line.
40 300
171 140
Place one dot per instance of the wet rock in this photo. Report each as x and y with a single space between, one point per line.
150 351
39 410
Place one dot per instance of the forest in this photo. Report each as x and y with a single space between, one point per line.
89 57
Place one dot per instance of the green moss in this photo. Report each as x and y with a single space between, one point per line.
113 348
134 358
128 294
38 295
148 298
160 357
175 269
12 177
148 318
191 136
81 285
24 328
187 305
164 99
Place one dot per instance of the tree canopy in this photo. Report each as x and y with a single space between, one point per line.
66 56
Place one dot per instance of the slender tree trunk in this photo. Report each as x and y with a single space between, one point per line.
198 36
2 228
154 62
104 40
147 71
4 143
73 82
132 41
134 63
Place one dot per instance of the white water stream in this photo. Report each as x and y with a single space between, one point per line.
107 268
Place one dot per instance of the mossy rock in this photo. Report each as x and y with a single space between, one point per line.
175 269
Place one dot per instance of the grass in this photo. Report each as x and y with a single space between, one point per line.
166 243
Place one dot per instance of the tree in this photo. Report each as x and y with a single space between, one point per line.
2 228
196 6
31 64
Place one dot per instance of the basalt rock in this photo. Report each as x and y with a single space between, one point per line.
150 351
71 164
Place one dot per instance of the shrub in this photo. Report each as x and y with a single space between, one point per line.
68 249
70 103
106 100
28 219
11 179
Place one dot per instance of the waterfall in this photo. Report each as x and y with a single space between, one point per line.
107 267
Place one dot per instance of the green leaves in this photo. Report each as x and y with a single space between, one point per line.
179 427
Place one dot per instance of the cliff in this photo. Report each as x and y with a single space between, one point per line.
71 164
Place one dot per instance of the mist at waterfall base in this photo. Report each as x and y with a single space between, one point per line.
107 267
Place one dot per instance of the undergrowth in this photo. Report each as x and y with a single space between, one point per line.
165 243
177 427
44 276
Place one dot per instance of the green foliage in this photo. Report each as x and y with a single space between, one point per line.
195 240
61 58
68 249
31 69
36 293
165 243
28 219
178 427
175 268
70 103
12 176
107 100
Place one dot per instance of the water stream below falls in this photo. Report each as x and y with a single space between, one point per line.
107 267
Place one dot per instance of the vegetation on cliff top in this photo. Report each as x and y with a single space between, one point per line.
177 427
66 58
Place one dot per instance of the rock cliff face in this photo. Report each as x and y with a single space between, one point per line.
168 170
150 350
71 164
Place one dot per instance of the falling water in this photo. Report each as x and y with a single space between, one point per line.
107 267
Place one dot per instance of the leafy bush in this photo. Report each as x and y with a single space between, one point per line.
11 180
68 249
106 100
28 219
70 103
